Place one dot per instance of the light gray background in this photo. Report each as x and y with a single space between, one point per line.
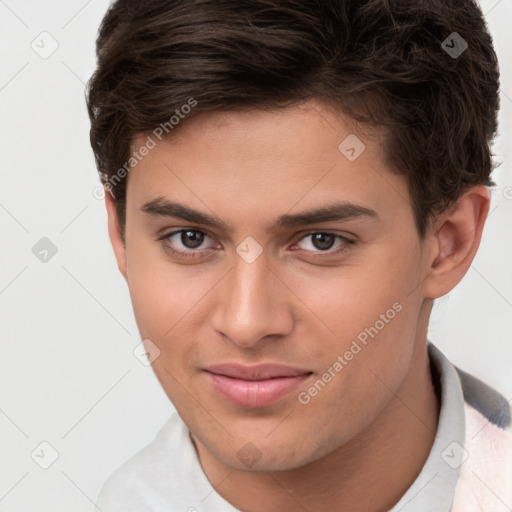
67 372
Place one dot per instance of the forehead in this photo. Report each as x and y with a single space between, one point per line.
254 159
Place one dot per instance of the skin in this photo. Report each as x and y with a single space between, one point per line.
363 439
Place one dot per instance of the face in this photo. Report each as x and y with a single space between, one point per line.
272 321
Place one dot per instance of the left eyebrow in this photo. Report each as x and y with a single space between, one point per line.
340 211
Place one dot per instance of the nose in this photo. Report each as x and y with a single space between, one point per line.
253 304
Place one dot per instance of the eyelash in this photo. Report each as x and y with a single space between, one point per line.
347 243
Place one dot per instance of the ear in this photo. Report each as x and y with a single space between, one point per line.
453 240
114 233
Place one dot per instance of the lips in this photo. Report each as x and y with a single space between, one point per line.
255 386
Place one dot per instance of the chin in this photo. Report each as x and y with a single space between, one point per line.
255 458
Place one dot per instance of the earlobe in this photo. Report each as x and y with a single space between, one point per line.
454 241
114 233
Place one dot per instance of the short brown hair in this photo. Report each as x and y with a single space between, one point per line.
383 62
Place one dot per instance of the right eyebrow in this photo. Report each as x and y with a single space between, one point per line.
161 207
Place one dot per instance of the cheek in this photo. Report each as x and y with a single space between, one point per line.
352 301
170 304
359 369
161 292
369 319
164 303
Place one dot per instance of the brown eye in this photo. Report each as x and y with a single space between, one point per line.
323 241
324 244
188 243
192 239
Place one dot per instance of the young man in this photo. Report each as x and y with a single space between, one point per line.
290 186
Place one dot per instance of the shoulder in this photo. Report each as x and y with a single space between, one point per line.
131 486
165 476
485 481
486 400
